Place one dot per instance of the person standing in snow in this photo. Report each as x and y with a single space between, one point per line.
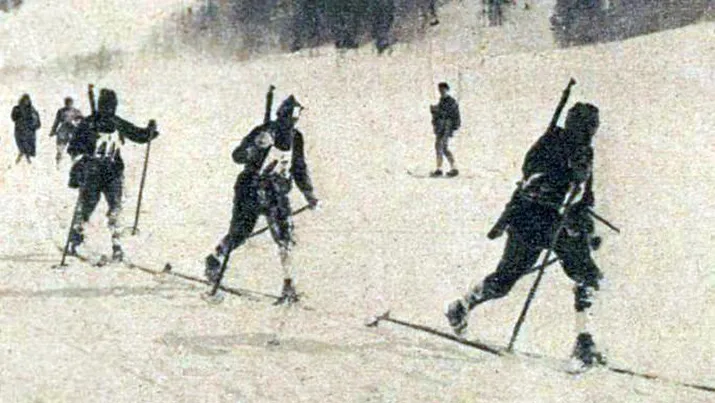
445 121
27 121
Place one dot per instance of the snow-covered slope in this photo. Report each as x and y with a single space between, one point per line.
383 240
41 31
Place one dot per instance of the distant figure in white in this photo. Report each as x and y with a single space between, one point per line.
445 121
557 168
66 121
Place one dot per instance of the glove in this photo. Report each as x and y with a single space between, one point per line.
495 232
151 128
595 242
264 140
313 203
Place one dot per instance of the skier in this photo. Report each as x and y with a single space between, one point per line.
100 168
445 121
66 121
560 162
273 157
27 121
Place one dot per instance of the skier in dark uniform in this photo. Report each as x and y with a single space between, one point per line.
445 121
100 168
27 121
273 157
66 121
559 163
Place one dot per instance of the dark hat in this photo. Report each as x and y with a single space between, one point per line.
288 106
582 118
107 104
443 85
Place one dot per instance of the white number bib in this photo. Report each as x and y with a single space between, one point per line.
108 145
277 162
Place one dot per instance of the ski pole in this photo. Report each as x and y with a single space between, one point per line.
72 224
221 272
269 104
542 268
141 187
604 221
78 203
264 229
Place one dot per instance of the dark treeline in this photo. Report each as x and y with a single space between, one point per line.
297 24
7 5
291 25
577 22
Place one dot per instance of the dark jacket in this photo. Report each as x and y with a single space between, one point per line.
66 121
551 167
445 116
254 159
98 139
27 121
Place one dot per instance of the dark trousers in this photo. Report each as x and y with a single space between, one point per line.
100 179
26 141
251 200
519 257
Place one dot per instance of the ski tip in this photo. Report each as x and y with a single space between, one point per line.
373 321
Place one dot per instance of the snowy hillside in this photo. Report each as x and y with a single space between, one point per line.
384 240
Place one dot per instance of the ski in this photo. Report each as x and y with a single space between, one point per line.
96 260
375 321
169 271
562 365
252 295
444 176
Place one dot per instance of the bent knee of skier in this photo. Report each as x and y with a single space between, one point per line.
498 285
582 270
282 234
587 276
